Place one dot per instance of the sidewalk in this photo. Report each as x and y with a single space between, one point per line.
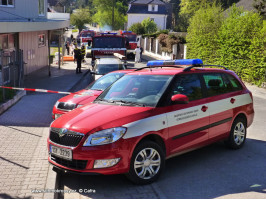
24 129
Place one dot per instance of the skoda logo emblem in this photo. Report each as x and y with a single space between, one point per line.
62 132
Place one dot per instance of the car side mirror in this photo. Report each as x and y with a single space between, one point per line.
180 99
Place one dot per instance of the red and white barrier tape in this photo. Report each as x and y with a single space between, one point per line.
36 90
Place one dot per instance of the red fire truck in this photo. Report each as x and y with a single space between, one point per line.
132 42
106 44
86 36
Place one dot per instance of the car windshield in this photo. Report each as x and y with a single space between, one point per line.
105 81
108 42
102 69
136 90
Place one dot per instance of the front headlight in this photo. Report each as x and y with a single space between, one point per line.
106 136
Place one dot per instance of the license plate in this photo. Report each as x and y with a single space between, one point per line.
61 152
57 115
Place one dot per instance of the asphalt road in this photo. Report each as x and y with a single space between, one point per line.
211 172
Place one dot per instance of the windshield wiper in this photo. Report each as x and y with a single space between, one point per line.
129 103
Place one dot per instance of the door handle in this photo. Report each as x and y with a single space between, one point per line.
204 108
232 100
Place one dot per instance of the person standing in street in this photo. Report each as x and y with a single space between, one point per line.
78 58
83 52
137 55
67 47
141 51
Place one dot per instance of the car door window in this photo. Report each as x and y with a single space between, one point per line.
188 85
216 84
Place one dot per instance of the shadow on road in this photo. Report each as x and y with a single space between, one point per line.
210 172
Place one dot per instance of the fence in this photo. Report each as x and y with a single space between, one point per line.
11 72
154 48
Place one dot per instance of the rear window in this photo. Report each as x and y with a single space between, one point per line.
234 82
102 69
108 42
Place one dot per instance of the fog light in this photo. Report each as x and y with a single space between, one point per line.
105 163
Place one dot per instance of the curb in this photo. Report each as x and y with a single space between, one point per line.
79 81
11 102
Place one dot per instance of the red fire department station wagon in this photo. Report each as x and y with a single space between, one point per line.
150 115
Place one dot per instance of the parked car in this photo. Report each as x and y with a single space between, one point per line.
150 115
86 95
105 65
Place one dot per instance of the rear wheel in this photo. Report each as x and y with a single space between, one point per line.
237 134
147 163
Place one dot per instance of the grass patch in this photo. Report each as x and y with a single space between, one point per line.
9 94
53 50
74 30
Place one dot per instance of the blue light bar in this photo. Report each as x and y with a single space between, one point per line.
175 62
108 33
127 32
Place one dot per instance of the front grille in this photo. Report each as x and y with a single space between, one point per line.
66 106
69 138
73 164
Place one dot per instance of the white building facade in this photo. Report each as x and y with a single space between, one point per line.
26 25
141 9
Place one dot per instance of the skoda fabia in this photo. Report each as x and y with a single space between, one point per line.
149 115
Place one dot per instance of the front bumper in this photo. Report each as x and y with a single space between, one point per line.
83 158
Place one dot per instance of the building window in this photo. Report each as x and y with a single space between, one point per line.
41 7
152 7
41 40
7 3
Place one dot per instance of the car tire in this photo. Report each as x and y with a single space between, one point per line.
147 163
238 134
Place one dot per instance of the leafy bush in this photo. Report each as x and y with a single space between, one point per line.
241 42
237 41
202 34
137 28
149 25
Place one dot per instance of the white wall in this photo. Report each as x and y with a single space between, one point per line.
160 20
36 57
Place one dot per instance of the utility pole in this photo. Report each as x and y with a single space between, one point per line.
113 15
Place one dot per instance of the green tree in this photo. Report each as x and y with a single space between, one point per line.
103 15
137 28
202 37
149 26
80 18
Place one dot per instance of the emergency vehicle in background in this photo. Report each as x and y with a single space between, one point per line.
86 36
106 44
132 43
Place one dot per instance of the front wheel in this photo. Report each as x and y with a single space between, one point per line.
237 134
147 163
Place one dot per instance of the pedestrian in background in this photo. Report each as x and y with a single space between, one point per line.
67 47
71 37
78 58
141 51
137 55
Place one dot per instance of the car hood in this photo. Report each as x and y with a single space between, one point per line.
81 97
94 117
